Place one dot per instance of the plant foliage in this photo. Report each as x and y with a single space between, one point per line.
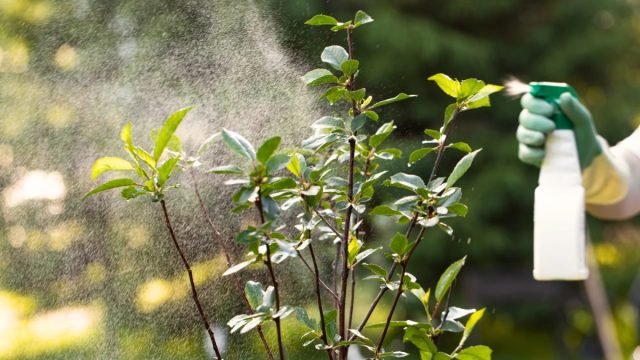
328 184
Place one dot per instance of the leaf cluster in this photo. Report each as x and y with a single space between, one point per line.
148 172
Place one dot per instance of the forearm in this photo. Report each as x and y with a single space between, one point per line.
612 182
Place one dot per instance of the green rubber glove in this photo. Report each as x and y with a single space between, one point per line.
605 176
535 123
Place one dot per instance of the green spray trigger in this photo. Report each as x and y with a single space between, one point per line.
550 92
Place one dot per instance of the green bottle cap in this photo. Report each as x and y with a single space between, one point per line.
551 91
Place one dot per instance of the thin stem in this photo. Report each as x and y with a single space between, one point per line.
404 263
322 283
353 296
336 270
194 292
393 307
365 176
227 255
274 280
441 147
384 289
277 295
316 273
347 223
345 251
446 303
324 219
446 314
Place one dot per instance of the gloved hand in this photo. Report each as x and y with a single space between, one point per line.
535 123
605 176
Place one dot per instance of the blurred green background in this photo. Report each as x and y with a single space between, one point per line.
84 282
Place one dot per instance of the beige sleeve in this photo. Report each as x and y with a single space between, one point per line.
627 156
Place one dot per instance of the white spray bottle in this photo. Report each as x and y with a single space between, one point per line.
559 233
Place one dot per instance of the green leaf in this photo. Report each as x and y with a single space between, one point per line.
410 281
255 294
237 267
246 194
318 141
459 209
450 86
112 184
453 326
478 352
147 158
381 135
461 168
330 320
456 313
485 92
406 181
268 299
462 146
446 279
166 132
303 317
470 87
319 20
238 144
361 18
481 98
396 323
334 55
353 249
424 300
295 165
341 26
280 184
471 323
371 115
267 149
399 97
319 77
335 94
399 244
420 339
389 153
449 113
433 133
132 192
384 210
484 102
328 122
277 162
365 254
125 134
356 95
165 170
360 336
417 155
109 163
376 269
251 324
349 67
358 122
226 169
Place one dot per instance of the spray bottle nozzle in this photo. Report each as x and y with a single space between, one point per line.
551 92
